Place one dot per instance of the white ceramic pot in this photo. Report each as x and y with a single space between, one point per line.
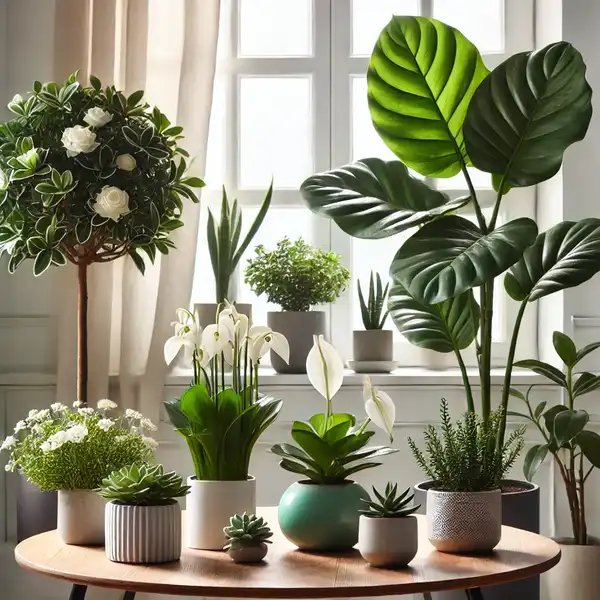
464 521
388 542
577 575
81 517
143 534
210 505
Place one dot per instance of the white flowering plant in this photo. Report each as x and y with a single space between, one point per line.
222 414
62 448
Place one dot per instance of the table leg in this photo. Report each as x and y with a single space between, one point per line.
78 592
474 594
426 595
128 596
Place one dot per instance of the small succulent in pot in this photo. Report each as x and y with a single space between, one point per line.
247 538
389 505
372 310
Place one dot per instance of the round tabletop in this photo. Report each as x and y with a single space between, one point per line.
290 573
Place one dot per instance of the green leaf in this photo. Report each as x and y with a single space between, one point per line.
568 424
550 415
539 409
42 261
449 326
581 354
529 110
194 182
451 255
138 261
517 394
533 460
589 442
197 405
374 199
83 230
421 78
319 450
95 83
565 348
134 99
545 369
586 383
564 256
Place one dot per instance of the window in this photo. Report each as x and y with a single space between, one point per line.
290 101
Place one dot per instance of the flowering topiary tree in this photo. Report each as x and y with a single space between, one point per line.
88 175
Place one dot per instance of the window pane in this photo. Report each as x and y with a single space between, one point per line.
275 27
482 21
369 17
215 157
275 131
480 180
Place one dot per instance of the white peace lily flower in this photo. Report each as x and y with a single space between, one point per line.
112 203
380 408
126 162
325 368
20 426
96 117
78 140
215 339
146 423
10 442
86 411
105 424
106 404
77 434
187 336
263 339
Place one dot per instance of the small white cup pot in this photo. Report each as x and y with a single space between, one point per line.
388 542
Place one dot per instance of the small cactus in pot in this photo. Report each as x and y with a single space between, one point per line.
247 538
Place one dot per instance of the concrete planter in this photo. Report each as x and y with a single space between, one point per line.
387 542
373 345
299 328
206 312
81 517
243 553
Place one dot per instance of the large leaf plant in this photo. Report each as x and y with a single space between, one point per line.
438 108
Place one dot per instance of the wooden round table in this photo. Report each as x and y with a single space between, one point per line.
290 573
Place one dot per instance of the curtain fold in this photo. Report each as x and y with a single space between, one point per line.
169 50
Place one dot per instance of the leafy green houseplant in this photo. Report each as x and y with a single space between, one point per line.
221 416
143 518
434 104
296 277
88 175
321 511
374 344
247 538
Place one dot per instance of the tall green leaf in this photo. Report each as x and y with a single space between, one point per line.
533 460
374 198
421 78
568 424
446 327
589 442
525 115
451 255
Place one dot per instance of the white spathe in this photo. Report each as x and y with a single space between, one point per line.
81 517
380 408
79 140
325 368
112 203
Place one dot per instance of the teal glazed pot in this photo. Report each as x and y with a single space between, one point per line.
321 517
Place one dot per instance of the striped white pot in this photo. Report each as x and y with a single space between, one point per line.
143 534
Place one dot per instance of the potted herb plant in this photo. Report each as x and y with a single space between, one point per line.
143 518
320 512
575 450
72 451
448 258
375 344
221 416
464 501
296 277
223 235
247 538
388 532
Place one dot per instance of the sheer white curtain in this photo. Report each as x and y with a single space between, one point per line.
168 48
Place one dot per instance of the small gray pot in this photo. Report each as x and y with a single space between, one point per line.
388 542
299 329
242 553
464 521
143 534
206 312
373 345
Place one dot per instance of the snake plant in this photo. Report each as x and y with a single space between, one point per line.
372 309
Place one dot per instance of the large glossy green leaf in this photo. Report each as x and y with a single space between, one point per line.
533 460
451 255
589 442
374 198
544 369
446 327
525 115
568 424
564 256
421 78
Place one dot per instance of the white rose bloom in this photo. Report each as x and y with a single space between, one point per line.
79 139
106 404
126 162
77 434
9 442
20 426
96 117
112 203
105 424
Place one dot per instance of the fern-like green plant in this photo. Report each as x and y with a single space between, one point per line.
247 530
372 310
143 485
224 240
389 505
463 456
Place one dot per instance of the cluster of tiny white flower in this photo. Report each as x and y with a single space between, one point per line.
105 424
75 434
133 414
106 404
38 416
20 426
151 443
9 443
86 411
59 407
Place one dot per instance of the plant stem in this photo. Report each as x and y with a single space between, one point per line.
582 521
497 205
82 333
466 382
478 213
487 301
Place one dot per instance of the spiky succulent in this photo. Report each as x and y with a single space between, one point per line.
372 311
247 530
143 485
389 504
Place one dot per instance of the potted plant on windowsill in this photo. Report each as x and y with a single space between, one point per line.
388 533
321 511
464 497
374 344
143 518
575 450
223 235
296 277
436 271
221 416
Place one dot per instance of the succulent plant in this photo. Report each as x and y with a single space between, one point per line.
389 504
372 311
143 485
247 530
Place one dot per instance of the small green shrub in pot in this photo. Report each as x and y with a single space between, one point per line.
247 538
297 277
464 502
388 534
143 518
